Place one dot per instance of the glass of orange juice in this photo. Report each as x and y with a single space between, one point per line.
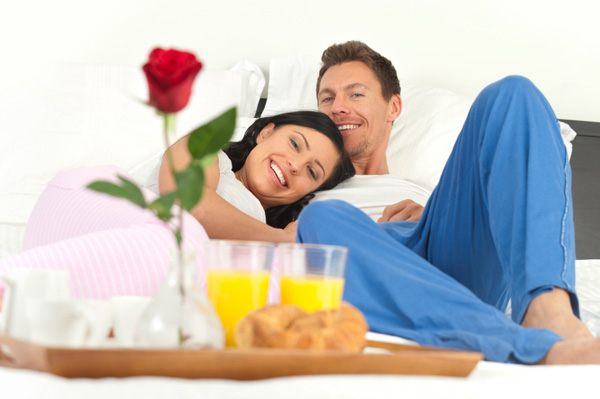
237 279
312 275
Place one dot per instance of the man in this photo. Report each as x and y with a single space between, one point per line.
360 91
498 226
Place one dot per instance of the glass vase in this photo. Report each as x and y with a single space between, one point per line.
180 315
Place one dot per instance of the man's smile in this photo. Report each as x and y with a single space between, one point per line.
347 128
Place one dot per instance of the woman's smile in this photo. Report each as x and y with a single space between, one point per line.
279 176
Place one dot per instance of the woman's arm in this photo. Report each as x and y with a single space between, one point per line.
219 218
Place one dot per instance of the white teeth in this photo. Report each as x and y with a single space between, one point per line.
278 173
346 127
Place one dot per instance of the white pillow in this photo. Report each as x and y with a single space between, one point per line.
292 84
422 137
59 117
424 134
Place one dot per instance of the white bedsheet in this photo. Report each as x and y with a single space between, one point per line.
588 290
488 380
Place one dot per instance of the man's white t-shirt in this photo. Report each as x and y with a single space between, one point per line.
372 193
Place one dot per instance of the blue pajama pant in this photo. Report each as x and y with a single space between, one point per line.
498 226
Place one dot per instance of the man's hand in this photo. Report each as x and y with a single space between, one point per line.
403 210
290 231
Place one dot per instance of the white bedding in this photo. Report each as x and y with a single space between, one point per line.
488 380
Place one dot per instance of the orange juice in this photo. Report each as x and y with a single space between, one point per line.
234 293
312 292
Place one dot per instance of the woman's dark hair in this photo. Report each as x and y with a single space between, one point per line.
281 215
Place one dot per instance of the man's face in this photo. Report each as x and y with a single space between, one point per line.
350 94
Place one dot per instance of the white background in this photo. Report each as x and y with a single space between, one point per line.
460 45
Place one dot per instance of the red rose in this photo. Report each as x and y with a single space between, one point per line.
170 75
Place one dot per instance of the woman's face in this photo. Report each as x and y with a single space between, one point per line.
287 163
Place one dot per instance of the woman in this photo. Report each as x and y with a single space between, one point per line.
278 162
113 247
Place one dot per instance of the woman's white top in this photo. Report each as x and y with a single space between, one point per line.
229 188
233 191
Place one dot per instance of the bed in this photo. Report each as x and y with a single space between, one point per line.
87 114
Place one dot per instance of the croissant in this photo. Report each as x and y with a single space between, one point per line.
288 326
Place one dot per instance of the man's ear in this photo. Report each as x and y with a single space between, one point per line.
265 132
395 107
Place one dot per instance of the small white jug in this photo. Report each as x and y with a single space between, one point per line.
23 284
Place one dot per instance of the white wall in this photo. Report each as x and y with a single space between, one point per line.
461 44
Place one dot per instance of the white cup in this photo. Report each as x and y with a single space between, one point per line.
127 311
102 321
69 322
22 285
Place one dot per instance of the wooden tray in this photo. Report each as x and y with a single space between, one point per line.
235 364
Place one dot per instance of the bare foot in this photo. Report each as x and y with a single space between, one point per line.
552 310
574 351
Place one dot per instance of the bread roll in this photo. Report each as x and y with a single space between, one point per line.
288 326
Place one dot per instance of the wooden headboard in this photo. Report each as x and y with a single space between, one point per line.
585 165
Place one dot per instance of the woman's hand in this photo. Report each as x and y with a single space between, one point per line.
403 210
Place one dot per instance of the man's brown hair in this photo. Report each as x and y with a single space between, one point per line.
358 51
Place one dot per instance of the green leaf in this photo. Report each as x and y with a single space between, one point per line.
162 206
128 190
211 137
205 161
190 182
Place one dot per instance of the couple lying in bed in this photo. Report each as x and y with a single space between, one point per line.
498 226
